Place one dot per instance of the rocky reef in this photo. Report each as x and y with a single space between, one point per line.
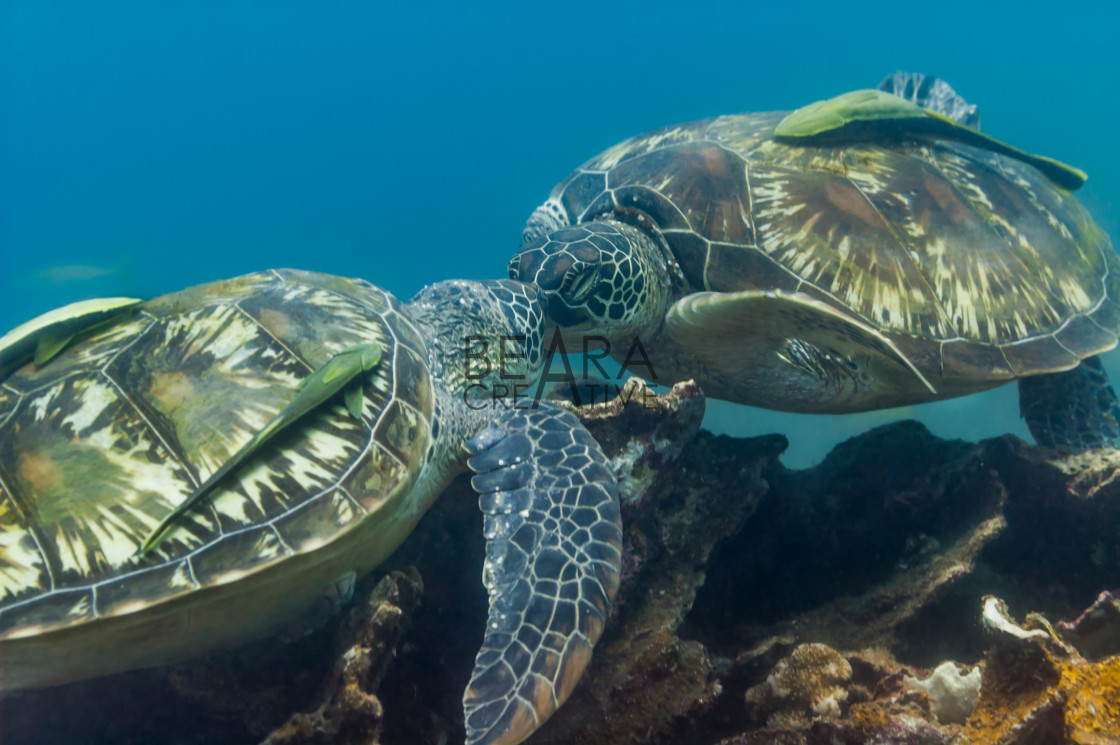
870 599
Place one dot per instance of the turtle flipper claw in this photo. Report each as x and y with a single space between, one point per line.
553 557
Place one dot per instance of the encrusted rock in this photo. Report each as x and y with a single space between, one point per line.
644 678
880 708
643 432
810 682
1037 689
349 712
903 719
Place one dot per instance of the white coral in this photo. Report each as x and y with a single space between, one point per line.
954 694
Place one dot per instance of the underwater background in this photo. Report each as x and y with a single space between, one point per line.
148 146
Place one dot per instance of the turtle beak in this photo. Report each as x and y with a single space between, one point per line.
564 315
570 283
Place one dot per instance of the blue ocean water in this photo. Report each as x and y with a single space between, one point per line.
148 146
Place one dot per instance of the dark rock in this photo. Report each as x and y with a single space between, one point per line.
1096 632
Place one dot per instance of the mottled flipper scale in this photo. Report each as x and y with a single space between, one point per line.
315 390
1075 410
43 337
553 557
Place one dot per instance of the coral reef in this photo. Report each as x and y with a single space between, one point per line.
349 712
1037 688
953 693
809 682
759 605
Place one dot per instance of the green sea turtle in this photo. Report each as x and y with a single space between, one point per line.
104 441
860 253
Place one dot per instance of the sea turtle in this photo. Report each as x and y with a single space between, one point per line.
101 443
858 254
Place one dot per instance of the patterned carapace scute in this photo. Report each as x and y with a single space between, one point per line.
102 443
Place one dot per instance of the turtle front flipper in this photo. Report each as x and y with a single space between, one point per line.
763 347
1075 410
43 337
553 557
316 389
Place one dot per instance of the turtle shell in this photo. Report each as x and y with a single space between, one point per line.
975 265
104 441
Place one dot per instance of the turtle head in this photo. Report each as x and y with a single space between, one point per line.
601 278
484 334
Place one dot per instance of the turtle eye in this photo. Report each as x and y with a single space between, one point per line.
579 281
